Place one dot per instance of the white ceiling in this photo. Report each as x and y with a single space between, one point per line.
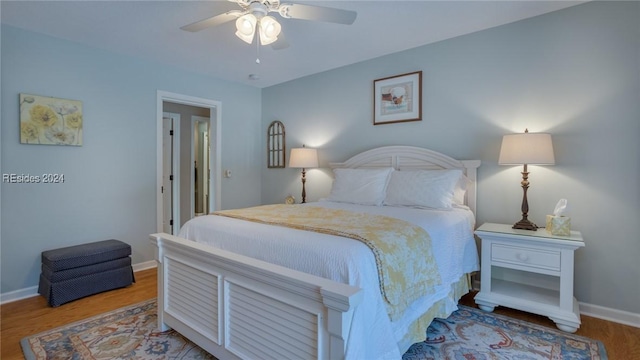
151 30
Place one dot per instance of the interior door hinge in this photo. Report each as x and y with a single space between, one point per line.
170 132
162 189
171 222
170 177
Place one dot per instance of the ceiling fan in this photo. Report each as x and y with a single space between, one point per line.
254 18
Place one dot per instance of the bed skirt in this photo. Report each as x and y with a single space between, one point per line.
441 309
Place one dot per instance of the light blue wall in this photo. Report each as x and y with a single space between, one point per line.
110 182
574 73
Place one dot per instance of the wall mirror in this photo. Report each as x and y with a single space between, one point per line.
276 148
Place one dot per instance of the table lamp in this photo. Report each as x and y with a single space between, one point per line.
303 158
526 149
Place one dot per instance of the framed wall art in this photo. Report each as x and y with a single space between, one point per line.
50 121
397 98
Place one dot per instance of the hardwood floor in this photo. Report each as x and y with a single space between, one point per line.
33 315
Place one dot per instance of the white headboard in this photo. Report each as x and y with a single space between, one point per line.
415 158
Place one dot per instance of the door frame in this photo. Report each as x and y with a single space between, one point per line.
215 159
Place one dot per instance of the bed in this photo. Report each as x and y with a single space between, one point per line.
253 290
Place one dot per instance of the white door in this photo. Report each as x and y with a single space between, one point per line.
206 176
200 180
167 172
170 173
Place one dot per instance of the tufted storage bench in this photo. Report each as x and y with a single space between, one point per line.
74 272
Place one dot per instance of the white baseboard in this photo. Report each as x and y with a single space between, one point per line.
16 295
32 291
475 282
609 314
144 265
597 311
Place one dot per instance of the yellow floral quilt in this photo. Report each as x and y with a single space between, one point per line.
403 253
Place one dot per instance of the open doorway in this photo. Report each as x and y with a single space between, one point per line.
192 167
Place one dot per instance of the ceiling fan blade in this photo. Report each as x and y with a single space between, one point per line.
318 13
212 21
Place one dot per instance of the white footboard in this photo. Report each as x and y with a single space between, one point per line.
235 307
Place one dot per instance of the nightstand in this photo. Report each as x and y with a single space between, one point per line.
530 271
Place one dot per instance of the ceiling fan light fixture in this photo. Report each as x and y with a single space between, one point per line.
246 26
253 18
269 30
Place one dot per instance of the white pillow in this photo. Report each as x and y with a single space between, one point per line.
423 188
461 189
360 186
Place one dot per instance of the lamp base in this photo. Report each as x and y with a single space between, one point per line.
525 224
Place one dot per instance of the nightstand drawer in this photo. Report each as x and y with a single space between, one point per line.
528 257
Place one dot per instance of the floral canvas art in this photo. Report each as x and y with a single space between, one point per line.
50 121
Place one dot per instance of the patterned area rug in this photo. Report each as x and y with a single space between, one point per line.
471 334
127 333
468 334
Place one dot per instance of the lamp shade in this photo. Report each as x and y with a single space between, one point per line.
303 158
246 26
269 30
527 148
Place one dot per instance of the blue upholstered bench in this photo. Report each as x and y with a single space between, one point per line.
74 272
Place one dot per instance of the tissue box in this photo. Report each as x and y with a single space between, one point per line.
559 225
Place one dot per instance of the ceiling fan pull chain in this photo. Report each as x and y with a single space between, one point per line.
257 47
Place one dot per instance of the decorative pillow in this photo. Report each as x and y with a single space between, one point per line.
423 188
360 186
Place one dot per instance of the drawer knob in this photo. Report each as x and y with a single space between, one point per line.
522 257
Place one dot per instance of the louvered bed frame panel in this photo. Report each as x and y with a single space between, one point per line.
228 303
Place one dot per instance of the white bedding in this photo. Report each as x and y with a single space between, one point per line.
373 336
